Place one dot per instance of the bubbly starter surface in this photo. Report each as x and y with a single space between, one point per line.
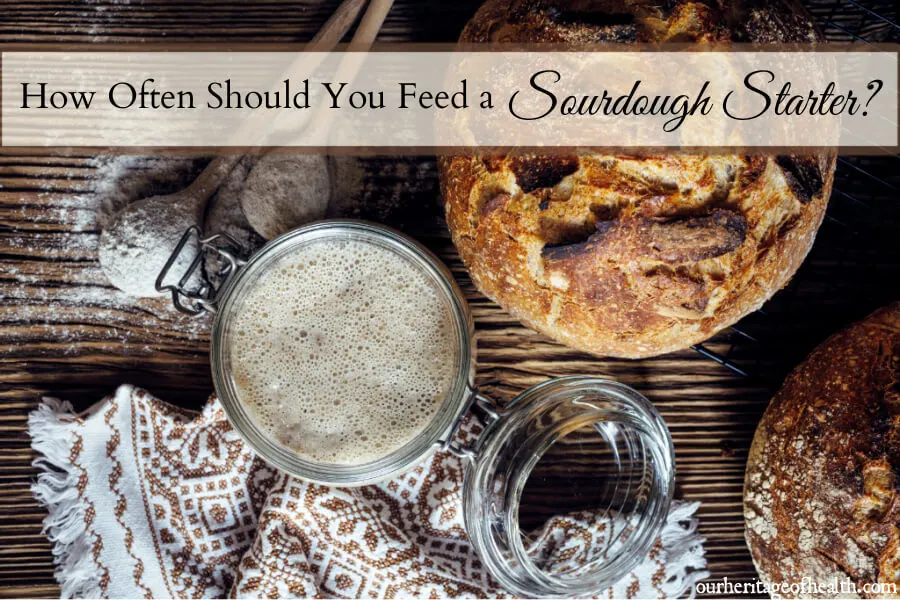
343 351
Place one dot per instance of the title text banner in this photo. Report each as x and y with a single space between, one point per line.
451 99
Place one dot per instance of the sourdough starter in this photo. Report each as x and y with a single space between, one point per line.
343 351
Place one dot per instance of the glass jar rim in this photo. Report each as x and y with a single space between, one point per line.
454 405
507 558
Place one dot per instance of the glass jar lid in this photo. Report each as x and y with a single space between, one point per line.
622 487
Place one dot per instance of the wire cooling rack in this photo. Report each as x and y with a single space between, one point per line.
868 22
854 266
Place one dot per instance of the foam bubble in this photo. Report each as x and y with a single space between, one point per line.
343 351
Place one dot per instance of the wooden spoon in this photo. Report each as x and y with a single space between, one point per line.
137 242
284 192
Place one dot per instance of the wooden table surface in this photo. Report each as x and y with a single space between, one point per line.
61 334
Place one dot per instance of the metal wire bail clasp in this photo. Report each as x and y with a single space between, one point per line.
483 409
194 300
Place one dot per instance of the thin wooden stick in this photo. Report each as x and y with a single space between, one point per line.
336 26
370 25
331 33
324 41
351 63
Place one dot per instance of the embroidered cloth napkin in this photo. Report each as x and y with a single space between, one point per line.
148 500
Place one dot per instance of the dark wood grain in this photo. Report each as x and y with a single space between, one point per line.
51 343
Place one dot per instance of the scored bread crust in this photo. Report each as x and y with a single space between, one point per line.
820 493
634 256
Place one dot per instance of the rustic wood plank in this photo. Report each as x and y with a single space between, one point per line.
80 352
50 343
36 590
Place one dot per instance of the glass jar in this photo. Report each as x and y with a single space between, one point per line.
574 418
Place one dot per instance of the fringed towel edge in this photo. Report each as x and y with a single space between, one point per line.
685 552
51 427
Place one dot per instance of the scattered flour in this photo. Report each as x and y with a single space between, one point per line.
61 275
136 245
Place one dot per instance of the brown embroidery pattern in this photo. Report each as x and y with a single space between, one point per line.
216 519
396 539
90 511
203 488
115 476
139 456
405 538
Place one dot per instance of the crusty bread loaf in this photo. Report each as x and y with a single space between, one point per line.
820 495
633 256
